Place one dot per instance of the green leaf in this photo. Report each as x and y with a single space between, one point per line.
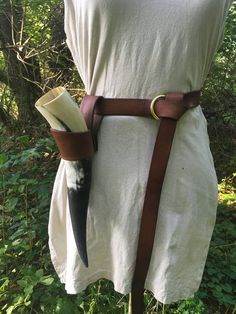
3 159
39 273
24 139
29 290
22 283
46 280
10 309
11 203
226 287
5 284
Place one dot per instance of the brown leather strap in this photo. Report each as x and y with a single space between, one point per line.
141 107
150 211
93 120
95 107
73 145
169 109
161 152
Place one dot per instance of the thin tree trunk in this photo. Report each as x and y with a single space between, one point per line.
22 72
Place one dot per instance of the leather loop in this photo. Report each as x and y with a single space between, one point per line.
93 119
74 146
176 103
171 107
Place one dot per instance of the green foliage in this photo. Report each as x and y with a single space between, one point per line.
28 283
219 98
222 255
24 185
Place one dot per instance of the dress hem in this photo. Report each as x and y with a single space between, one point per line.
76 286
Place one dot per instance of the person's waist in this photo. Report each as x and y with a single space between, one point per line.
158 107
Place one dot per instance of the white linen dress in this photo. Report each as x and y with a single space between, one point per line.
139 49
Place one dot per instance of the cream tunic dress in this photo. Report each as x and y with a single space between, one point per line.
139 49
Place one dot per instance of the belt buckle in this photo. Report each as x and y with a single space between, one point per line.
154 100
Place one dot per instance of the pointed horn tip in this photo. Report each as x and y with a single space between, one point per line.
85 261
84 257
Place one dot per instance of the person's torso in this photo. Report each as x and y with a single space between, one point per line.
141 48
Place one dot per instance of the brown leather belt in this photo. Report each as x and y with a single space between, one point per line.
169 109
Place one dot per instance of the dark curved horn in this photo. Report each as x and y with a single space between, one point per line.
78 187
76 150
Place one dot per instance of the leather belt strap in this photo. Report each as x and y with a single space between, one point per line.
95 107
169 109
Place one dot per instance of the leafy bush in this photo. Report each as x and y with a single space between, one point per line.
219 98
26 177
28 283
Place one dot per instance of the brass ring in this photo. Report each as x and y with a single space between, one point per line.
155 116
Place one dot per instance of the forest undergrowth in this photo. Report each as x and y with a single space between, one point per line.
28 283
29 160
